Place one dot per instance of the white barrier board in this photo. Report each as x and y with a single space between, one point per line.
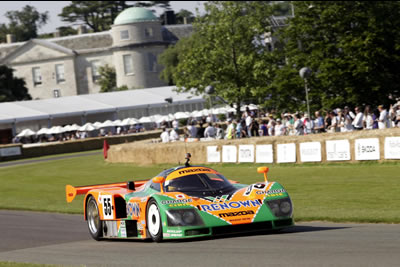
392 148
229 153
310 152
367 149
246 153
337 150
213 155
286 153
10 151
264 154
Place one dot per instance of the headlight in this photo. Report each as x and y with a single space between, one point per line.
280 207
183 217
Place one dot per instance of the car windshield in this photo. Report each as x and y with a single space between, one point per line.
202 184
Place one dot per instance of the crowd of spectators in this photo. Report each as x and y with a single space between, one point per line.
258 123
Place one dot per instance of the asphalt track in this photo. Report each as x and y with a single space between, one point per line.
48 238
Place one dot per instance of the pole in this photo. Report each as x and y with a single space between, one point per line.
308 104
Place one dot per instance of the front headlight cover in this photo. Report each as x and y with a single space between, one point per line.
183 217
281 207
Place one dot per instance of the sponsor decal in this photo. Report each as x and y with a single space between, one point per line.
180 196
174 231
252 187
143 199
133 209
139 226
231 205
270 192
236 213
178 205
122 228
194 170
166 235
167 202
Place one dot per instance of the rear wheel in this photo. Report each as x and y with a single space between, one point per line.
95 225
154 225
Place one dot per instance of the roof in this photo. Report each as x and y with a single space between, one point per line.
134 14
90 104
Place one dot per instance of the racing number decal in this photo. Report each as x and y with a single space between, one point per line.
107 207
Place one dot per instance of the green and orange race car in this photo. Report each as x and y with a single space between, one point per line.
183 202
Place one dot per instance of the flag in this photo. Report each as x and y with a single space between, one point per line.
106 146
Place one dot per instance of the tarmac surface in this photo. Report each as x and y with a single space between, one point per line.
49 238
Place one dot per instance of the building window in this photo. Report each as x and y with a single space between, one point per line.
60 73
95 70
148 32
124 35
56 93
152 59
37 76
128 64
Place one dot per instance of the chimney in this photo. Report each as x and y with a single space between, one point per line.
56 34
184 20
10 38
82 29
170 17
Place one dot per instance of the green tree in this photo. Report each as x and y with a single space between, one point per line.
108 80
23 24
100 15
12 88
227 51
351 47
182 14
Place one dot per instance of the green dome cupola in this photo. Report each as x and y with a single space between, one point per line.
135 14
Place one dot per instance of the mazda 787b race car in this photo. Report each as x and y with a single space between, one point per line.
183 202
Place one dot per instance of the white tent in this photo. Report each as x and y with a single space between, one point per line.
182 115
129 121
56 130
87 127
43 131
107 123
26 132
145 120
97 125
117 123
74 127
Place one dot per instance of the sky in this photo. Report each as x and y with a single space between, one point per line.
55 8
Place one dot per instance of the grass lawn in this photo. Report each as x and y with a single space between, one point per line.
362 192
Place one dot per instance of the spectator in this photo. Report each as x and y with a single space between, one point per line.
280 129
249 120
319 125
219 132
209 132
254 127
346 122
230 130
308 124
164 136
192 130
383 121
358 120
368 121
332 122
173 135
349 112
263 131
298 125
175 124
271 125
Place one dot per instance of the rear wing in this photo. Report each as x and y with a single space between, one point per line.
72 191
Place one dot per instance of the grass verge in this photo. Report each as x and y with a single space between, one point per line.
362 192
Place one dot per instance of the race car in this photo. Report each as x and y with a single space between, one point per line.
183 202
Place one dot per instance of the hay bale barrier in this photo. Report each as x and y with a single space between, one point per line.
150 152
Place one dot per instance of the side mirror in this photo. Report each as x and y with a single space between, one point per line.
158 180
263 170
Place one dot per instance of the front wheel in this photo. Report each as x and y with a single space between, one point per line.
154 225
95 225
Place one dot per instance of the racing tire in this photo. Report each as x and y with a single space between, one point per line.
95 225
154 224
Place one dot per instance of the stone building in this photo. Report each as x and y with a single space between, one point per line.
68 66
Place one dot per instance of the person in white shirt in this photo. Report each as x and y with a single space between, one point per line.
308 124
164 136
358 120
173 135
298 125
249 120
175 124
346 122
368 121
192 130
209 132
383 121
280 129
